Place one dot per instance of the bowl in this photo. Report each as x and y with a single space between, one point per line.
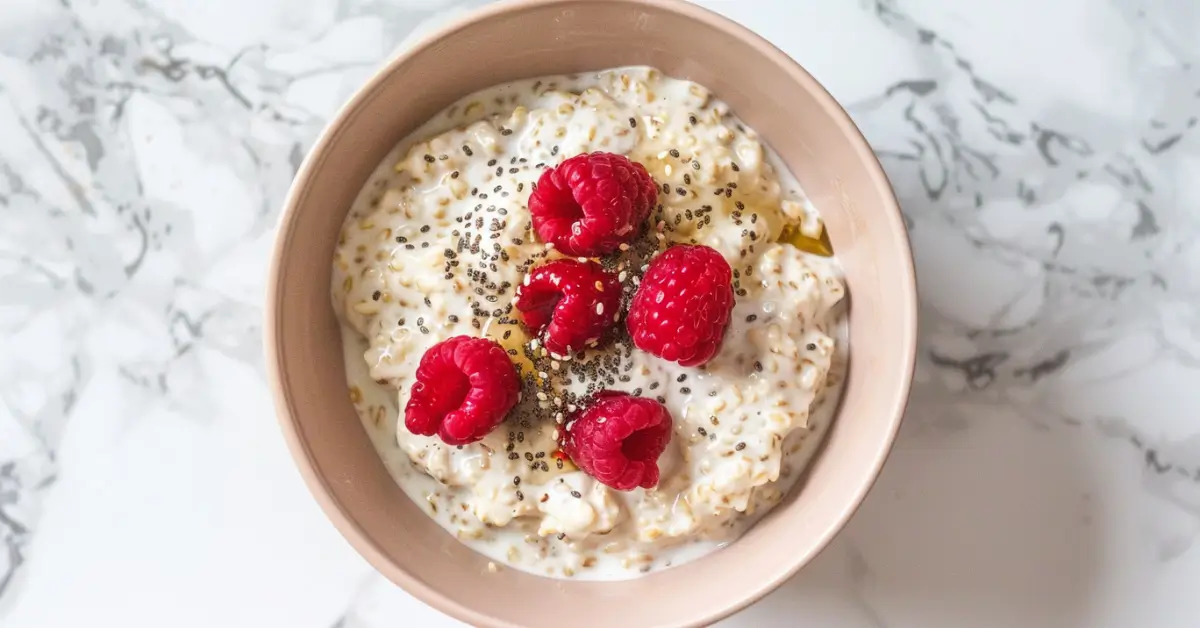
509 41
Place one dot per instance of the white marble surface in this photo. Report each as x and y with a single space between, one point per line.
1045 152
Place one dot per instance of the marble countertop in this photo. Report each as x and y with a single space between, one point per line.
1046 156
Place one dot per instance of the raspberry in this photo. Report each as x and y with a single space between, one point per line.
464 388
591 203
681 308
570 303
618 439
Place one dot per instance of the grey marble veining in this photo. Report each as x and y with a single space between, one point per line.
1045 154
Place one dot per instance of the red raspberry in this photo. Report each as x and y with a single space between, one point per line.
591 203
618 439
574 303
464 388
682 307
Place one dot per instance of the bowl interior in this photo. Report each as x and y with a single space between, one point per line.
802 123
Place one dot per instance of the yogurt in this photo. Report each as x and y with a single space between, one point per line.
439 238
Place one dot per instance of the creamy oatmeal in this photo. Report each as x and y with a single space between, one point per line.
439 238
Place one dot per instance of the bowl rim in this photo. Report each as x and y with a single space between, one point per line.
299 447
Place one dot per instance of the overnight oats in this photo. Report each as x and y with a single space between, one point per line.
592 326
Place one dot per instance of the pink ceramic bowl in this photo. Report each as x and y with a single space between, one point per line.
527 38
